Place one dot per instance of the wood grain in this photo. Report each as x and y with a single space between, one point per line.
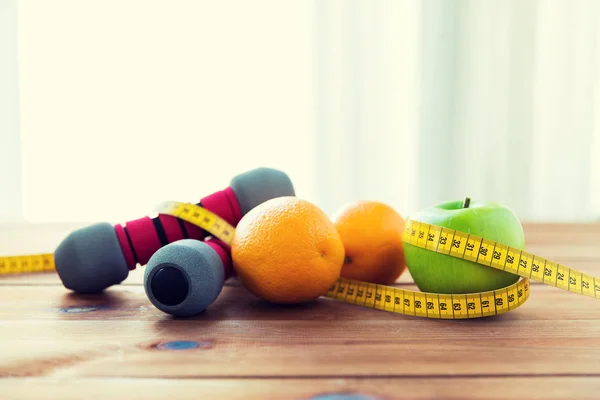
455 388
56 344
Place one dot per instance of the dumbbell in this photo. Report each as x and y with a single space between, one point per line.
96 257
185 277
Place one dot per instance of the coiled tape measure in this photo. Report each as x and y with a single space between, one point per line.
393 299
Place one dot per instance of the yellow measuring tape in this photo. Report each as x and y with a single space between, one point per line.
201 217
26 264
472 305
393 299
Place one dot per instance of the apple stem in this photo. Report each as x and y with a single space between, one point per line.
467 202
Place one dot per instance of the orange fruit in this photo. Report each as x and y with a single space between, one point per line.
372 235
286 250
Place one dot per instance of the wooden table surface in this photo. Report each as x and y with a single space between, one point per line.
58 345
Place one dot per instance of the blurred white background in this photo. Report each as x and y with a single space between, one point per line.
109 107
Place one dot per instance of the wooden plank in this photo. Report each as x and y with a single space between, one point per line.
121 336
32 303
560 228
296 357
501 388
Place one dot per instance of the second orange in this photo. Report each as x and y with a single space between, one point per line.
372 235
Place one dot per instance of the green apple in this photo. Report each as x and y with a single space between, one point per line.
441 273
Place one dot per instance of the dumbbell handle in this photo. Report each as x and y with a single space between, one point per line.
141 238
224 253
